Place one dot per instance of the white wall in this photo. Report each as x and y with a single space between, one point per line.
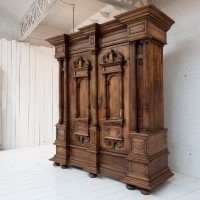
8 28
29 86
182 85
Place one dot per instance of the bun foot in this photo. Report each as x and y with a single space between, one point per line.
145 192
64 166
92 175
56 164
130 187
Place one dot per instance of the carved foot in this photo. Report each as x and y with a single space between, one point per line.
145 192
92 175
56 164
64 166
130 187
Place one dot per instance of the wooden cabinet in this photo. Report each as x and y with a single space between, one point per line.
111 115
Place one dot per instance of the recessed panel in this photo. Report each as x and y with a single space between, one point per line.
113 97
83 99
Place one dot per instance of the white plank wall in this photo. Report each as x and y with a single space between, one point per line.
0 98
28 95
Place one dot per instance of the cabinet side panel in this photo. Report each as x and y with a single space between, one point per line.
154 96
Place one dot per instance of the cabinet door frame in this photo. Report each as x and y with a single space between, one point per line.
112 64
81 69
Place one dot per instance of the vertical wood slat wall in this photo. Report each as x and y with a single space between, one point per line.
28 95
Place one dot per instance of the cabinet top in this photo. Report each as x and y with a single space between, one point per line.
144 22
146 12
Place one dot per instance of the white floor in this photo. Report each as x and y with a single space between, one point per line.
28 174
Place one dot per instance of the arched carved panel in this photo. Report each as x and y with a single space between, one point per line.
81 69
112 64
112 56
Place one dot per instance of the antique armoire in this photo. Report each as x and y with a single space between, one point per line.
111 115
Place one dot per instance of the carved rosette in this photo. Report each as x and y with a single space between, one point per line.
112 64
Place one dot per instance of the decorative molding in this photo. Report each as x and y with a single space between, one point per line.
119 122
34 16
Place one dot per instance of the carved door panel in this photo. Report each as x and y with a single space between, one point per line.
111 100
81 75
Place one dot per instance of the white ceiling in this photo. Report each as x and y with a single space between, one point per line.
59 19
15 9
61 15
